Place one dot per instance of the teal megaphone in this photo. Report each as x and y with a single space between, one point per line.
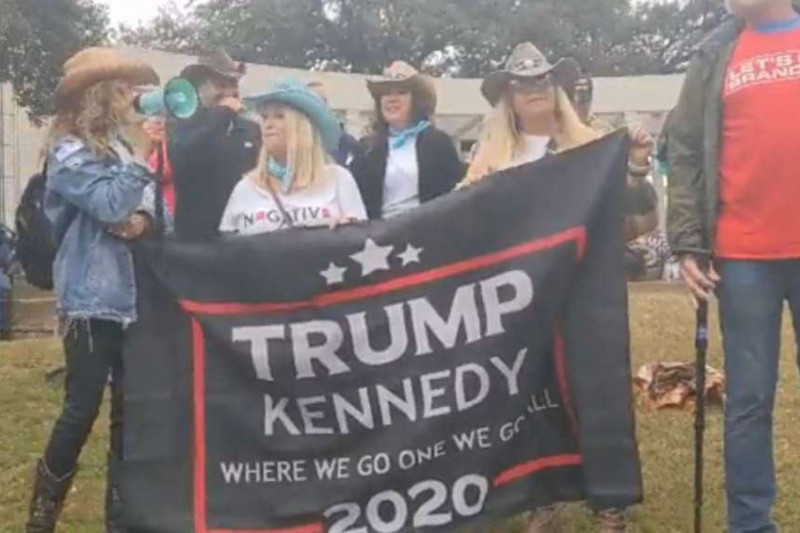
178 98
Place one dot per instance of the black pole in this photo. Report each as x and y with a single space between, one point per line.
701 345
160 224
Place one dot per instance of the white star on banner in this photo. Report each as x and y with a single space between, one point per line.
334 274
373 257
411 255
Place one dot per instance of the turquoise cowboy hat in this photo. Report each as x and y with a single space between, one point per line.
296 94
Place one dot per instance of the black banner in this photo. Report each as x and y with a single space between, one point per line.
461 363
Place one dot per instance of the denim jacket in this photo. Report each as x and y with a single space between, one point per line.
86 195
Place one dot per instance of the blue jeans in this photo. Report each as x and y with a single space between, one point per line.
751 298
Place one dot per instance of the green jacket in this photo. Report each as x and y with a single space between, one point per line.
694 139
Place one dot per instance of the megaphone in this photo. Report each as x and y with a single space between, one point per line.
178 98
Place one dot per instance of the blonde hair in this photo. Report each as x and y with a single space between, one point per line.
501 136
103 111
306 157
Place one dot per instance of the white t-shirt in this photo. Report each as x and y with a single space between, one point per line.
253 210
401 186
532 148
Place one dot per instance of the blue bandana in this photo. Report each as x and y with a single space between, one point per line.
281 173
399 138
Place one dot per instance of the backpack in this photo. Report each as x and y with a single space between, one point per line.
36 244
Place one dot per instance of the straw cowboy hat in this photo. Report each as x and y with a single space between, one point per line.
527 61
93 65
298 95
217 62
402 75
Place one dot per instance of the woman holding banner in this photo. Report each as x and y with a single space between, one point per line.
533 115
294 184
96 181
406 161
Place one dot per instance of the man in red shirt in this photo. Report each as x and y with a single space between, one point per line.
734 206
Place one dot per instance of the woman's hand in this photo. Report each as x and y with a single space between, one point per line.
144 137
342 222
154 134
156 129
137 225
642 144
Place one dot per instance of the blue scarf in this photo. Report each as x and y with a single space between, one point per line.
281 173
400 138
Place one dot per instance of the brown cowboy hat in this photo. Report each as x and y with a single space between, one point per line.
402 75
217 62
93 65
527 61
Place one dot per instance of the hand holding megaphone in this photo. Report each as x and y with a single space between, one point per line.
156 129
178 98
232 103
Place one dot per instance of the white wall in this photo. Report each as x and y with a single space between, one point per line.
21 152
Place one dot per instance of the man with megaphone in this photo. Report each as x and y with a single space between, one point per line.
209 152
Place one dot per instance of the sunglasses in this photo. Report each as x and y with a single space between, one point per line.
529 85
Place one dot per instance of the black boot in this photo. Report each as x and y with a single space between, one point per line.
114 510
49 493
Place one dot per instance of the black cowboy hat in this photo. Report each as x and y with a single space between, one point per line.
217 62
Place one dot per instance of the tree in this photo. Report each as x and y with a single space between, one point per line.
348 35
458 37
171 30
36 37
464 37
593 32
667 34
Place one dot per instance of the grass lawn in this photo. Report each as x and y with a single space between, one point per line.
662 329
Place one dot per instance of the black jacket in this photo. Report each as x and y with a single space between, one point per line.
346 149
209 155
440 168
